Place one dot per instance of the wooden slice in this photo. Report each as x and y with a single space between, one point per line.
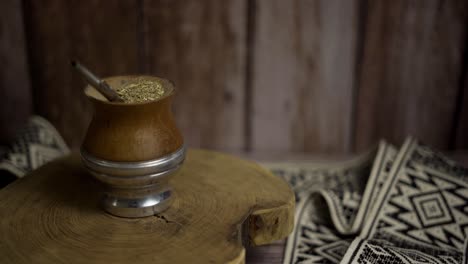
222 204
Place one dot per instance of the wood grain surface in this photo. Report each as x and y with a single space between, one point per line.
303 75
411 65
200 46
222 203
460 138
15 90
101 34
303 79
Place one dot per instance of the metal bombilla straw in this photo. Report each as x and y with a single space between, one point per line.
97 83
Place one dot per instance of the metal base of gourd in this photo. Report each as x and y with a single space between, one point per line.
135 189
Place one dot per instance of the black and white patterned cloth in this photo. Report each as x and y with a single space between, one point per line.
388 206
34 145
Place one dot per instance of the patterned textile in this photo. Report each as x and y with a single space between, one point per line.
36 144
388 206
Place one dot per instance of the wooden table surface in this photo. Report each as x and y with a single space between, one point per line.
273 253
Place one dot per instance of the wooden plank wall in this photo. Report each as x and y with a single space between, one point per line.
59 31
200 45
410 71
15 91
303 75
460 140
323 76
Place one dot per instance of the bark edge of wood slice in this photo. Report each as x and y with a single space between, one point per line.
222 205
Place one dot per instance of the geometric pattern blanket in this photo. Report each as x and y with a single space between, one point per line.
386 206
37 143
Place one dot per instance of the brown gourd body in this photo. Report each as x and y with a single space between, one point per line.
130 132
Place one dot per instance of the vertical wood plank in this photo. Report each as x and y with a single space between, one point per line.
101 34
410 71
303 75
200 45
15 91
461 133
